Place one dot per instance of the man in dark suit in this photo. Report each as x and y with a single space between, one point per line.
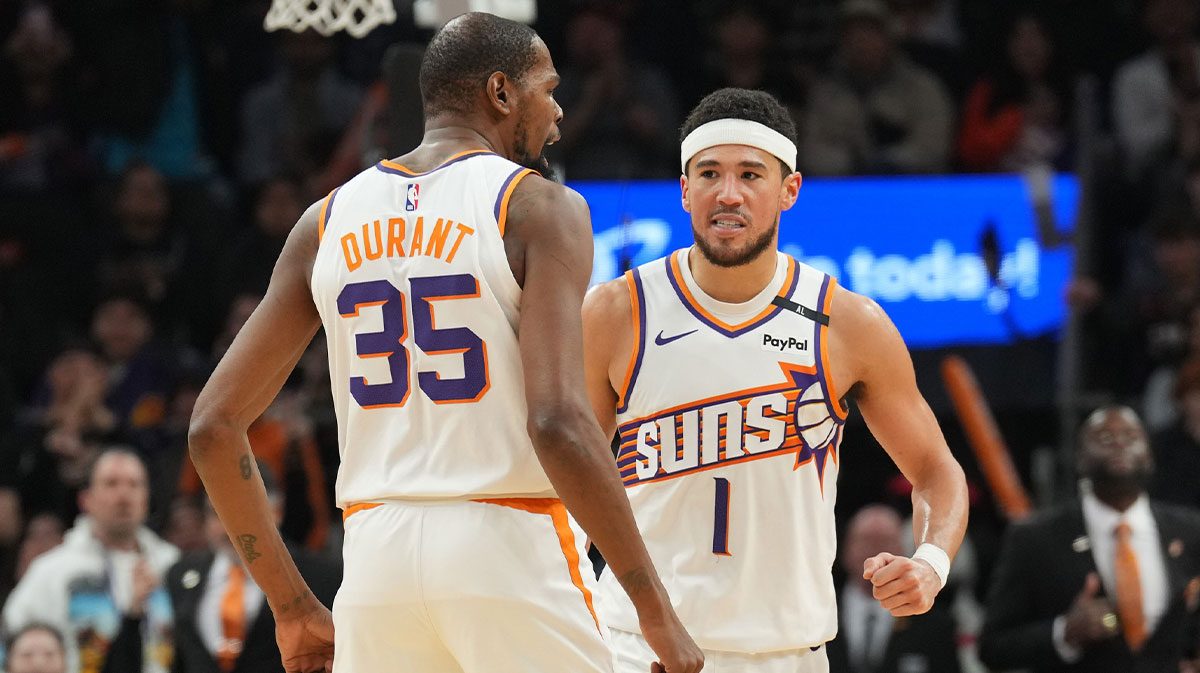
1108 582
222 622
870 639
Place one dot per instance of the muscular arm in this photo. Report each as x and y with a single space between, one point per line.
607 341
243 385
886 392
554 225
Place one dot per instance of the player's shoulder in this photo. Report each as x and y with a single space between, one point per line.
539 206
607 301
852 312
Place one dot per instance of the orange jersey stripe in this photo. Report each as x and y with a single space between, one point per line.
324 217
834 401
687 293
414 174
502 219
623 394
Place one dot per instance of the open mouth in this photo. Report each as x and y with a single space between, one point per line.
727 224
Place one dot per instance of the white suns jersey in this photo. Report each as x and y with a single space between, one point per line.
728 450
420 310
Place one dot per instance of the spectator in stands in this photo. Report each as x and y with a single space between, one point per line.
222 623
619 115
928 32
40 145
103 572
1160 403
139 379
250 256
145 250
292 122
36 648
870 639
1177 448
43 533
741 54
46 457
876 112
1157 94
1102 583
1015 117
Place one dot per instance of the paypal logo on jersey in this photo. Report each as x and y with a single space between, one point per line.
410 201
784 344
913 244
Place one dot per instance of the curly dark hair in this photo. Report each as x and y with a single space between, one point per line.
465 52
749 104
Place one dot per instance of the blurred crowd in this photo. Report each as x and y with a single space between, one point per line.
154 155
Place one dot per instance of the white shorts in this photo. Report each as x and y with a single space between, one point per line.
466 587
631 654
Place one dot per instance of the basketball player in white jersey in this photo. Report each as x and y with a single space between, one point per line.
449 283
723 368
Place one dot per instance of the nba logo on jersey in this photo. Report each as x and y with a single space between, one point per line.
410 203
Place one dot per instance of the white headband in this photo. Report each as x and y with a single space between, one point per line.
737 132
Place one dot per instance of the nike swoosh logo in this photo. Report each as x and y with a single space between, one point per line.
660 341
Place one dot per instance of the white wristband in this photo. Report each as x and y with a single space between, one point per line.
934 556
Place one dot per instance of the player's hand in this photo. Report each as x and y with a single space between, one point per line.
1090 618
901 585
676 651
305 637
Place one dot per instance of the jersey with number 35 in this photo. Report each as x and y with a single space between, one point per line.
420 310
728 434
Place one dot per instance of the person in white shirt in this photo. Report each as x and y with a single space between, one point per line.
105 570
1109 582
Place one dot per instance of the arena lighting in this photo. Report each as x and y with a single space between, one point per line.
917 245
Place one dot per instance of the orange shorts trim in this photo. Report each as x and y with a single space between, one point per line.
566 537
358 507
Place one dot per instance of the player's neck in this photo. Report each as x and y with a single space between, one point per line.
446 140
733 284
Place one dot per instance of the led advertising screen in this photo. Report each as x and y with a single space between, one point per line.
920 246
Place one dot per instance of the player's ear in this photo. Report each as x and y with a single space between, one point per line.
499 93
789 191
683 188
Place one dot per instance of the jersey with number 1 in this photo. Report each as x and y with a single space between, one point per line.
420 310
728 433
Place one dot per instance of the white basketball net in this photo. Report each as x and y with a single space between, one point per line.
356 17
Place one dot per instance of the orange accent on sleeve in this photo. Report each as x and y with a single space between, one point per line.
324 216
835 401
622 396
566 537
501 221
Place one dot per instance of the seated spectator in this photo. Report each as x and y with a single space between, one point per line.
250 257
139 380
144 250
1177 448
43 533
1103 583
929 34
222 622
1015 118
876 112
35 648
870 639
1160 402
619 115
742 56
104 572
292 122
1156 93
41 150
45 459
